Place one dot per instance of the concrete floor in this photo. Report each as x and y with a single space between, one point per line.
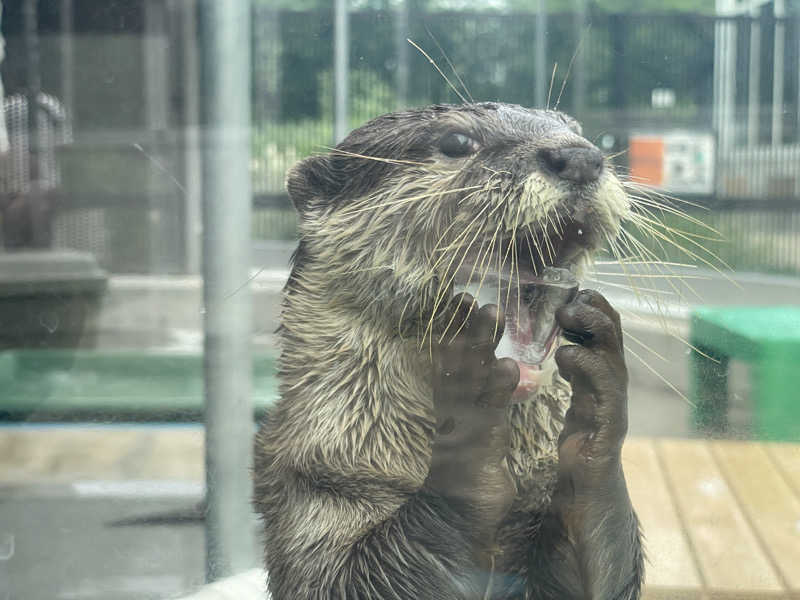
70 547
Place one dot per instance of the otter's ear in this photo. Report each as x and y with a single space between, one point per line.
312 184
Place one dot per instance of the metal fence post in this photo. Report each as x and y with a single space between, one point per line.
227 202
540 59
777 73
67 58
33 81
725 75
579 101
754 79
3 131
401 34
193 219
341 49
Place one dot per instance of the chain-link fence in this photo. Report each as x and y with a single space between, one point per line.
630 79
623 76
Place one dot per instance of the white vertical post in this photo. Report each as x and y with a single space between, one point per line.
754 79
579 67
227 202
341 51
30 14
67 58
193 212
777 73
540 56
155 64
725 74
4 145
401 53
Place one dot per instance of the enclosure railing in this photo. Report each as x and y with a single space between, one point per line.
619 74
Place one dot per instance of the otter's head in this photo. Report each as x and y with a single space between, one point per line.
407 200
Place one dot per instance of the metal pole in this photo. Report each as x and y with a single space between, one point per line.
4 145
579 66
401 52
67 58
155 65
540 58
34 85
777 74
725 74
341 47
227 201
754 79
193 214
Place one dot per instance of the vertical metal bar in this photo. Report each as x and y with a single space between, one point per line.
777 73
67 58
3 132
341 52
193 211
754 79
227 202
155 63
579 67
797 35
540 58
725 74
34 84
401 34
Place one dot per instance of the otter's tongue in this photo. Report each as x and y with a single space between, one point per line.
530 306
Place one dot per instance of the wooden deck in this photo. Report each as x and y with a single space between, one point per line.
721 519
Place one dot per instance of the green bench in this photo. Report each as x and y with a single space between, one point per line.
766 338
119 386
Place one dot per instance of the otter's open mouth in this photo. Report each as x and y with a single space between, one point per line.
532 276
530 251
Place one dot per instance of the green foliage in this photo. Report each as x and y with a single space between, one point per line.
277 146
370 96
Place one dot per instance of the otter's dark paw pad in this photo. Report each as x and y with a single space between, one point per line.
471 391
597 420
466 371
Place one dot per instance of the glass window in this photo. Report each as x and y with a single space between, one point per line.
239 248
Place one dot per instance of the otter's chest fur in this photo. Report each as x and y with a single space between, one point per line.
359 399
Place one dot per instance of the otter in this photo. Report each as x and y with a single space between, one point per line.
404 460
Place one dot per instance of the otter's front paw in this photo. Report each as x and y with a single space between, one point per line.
471 392
597 420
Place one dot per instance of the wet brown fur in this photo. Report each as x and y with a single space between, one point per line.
342 457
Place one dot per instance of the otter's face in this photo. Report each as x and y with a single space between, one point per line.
410 198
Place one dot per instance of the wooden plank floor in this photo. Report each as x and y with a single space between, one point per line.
721 519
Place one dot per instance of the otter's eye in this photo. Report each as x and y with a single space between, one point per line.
456 145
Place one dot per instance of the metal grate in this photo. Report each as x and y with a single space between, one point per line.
54 131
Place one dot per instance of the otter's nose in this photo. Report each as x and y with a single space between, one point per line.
574 163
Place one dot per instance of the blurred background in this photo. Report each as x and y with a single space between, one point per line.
145 219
